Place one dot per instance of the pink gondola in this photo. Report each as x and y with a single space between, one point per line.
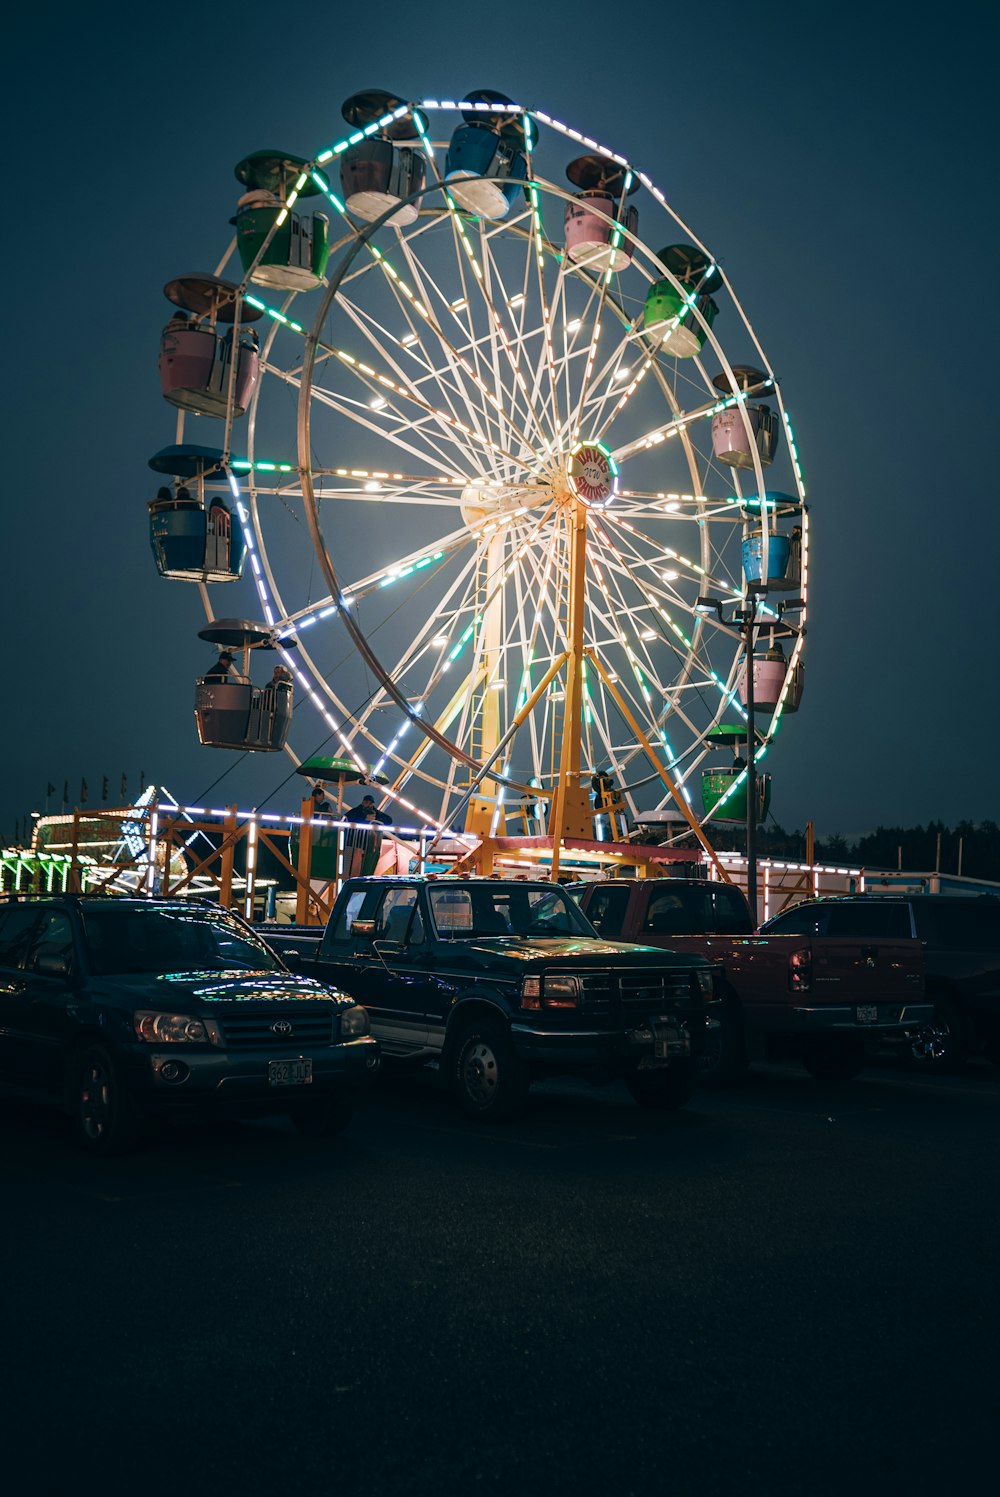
197 356
598 223
736 440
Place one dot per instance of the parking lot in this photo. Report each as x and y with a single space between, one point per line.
786 1288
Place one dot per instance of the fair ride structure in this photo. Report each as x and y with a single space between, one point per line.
481 428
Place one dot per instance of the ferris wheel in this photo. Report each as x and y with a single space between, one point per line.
502 450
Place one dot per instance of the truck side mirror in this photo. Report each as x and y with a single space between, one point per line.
362 930
51 964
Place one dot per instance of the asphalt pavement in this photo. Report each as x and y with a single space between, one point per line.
789 1288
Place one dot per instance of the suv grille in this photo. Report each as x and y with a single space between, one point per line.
259 1029
630 993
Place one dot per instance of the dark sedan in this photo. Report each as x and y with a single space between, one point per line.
121 1009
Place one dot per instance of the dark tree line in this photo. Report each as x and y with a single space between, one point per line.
976 844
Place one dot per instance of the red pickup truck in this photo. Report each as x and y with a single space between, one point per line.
828 1001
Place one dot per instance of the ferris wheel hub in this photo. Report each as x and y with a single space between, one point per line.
592 474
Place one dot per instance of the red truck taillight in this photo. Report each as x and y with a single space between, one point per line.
800 970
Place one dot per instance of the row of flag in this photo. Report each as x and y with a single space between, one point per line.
24 826
105 790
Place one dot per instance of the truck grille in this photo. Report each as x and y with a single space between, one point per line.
242 1030
630 993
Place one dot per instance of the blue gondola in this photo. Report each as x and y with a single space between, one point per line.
194 537
486 162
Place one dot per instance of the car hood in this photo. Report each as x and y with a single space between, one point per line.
202 990
577 952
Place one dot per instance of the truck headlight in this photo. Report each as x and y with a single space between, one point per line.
353 1022
550 992
705 983
174 1029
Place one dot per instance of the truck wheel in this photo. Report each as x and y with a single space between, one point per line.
724 1060
490 1079
104 1116
664 1089
949 1046
835 1062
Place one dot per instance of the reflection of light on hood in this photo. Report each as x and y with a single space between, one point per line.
241 986
524 950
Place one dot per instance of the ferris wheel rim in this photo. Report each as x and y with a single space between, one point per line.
355 242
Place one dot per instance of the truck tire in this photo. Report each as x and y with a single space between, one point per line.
724 1059
489 1078
835 1060
951 1039
666 1088
105 1118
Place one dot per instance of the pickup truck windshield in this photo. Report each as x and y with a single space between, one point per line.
157 941
468 911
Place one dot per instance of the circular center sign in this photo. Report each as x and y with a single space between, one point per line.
593 473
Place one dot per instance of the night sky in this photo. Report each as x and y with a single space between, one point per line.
836 159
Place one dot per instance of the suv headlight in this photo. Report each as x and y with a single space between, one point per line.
175 1029
354 1021
705 983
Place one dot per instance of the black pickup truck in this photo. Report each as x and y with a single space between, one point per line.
960 938
497 982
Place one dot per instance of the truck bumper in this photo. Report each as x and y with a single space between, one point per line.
876 1023
656 1041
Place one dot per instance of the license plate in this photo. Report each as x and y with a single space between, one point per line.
867 1013
668 1040
289 1072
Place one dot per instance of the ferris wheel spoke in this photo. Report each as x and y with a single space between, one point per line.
475 296
488 272
482 407
534 367
505 353
656 723
363 416
394 397
504 411
617 608
448 621
625 543
614 381
461 408
379 486
662 431
658 630
572 431
546 362
414 564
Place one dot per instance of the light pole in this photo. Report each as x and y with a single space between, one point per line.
744 622
749 615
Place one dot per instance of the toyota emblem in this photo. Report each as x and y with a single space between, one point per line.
281 1026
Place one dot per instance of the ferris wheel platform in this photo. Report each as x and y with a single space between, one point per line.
544 855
